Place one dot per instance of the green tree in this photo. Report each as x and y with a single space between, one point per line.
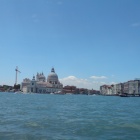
17 87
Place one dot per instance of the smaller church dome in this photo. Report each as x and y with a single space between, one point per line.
40 77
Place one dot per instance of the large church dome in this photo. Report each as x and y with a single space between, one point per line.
52 77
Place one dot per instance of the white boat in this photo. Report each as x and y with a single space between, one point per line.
18 92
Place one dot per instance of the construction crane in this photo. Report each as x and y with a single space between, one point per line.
17 71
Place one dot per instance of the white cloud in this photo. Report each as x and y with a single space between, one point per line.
113 83
98 77
82 83
71 77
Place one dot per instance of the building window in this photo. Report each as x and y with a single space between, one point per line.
32 83
36 90
31 89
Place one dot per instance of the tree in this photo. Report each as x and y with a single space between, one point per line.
17 87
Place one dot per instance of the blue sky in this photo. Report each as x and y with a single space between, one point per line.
88 42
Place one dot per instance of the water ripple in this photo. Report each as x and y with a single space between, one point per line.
81 117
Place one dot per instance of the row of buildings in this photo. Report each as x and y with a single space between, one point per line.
51 84
5 88
75 90
129 87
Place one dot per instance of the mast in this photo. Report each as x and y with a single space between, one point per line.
17 71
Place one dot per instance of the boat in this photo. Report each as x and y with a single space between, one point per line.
129 95
123 95
18 92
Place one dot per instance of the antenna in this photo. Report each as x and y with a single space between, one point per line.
17 71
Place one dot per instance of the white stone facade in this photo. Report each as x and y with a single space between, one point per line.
134 87
106 90
130 87
40 85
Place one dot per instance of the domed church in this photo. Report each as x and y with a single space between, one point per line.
40 85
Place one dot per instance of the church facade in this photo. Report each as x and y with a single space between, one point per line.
40 84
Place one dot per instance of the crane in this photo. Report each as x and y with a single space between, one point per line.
17 71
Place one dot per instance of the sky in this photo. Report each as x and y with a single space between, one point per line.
88 42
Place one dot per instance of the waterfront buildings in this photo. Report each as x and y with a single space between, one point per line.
125 88
119 88
5 88
75 90
106 89
129 87
42 85
1 88
113 87
134 87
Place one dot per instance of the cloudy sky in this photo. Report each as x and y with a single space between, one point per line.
88 42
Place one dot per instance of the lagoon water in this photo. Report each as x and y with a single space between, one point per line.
68 117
